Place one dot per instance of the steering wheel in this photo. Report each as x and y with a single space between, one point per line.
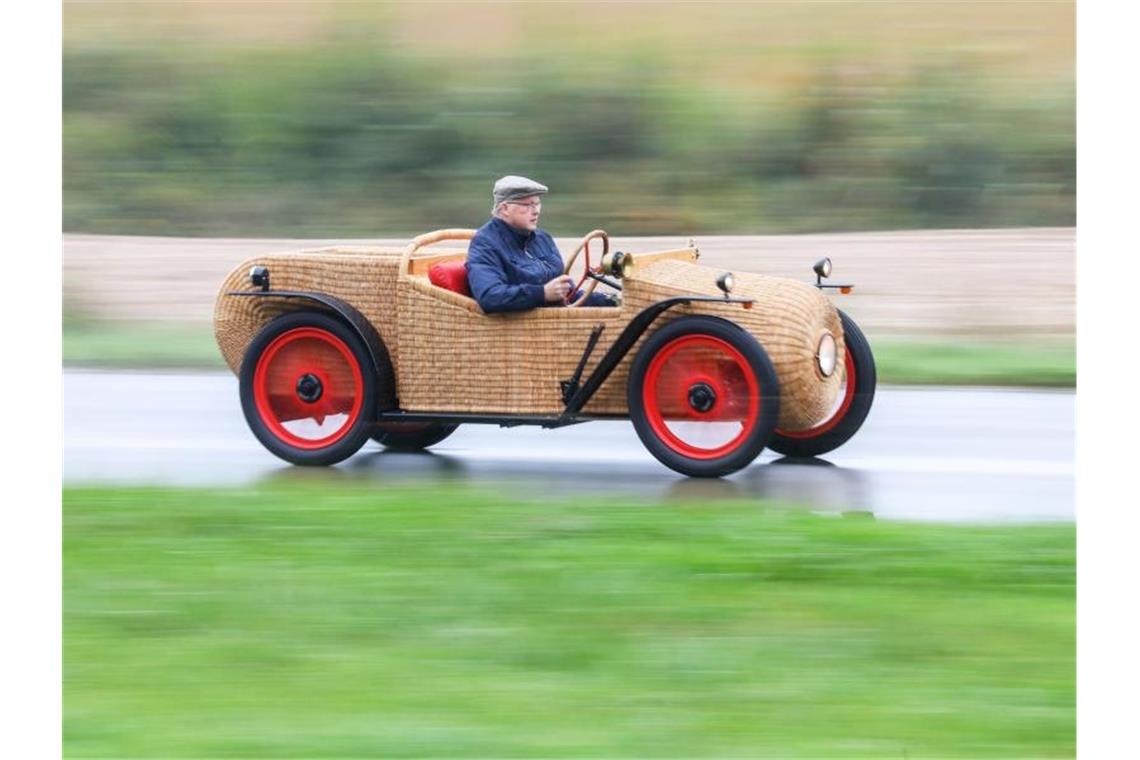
584 245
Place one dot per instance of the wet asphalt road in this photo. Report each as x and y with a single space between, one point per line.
924 454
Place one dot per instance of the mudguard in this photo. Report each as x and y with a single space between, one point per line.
378 352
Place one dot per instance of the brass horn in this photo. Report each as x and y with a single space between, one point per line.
618 264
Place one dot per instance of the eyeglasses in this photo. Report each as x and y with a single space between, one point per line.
533 204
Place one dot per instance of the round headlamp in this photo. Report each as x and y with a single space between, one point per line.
725 282
259 277
618 264
826 355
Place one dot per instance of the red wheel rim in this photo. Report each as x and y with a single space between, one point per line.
838 412
295 417
695 368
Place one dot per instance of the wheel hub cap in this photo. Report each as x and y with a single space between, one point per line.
309 388
702 397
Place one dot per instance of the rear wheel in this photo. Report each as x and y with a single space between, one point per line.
850 409
308 389
411 436
703 396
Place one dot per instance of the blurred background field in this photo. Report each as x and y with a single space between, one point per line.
300 120
990 307
303 621
372 119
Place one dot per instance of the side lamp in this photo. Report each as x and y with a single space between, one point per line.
259 276
725 281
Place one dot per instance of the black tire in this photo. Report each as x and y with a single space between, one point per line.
303 369
410 436
835 431
694 371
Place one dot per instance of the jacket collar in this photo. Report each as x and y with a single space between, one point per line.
522 237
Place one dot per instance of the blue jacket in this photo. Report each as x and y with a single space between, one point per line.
507 268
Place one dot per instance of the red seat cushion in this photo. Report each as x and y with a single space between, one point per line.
451 275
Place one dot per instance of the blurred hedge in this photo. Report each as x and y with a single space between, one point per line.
354 141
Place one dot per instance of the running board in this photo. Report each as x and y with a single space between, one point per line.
502 420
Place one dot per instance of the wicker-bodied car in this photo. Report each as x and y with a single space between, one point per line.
337 345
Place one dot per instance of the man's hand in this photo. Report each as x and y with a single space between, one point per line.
557 289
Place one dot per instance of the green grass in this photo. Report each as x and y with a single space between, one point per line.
140 346
1040 363
126 345
444 623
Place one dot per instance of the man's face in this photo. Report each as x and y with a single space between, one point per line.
522 213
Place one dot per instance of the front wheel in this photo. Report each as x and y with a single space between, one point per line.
850 409
703 396
308 389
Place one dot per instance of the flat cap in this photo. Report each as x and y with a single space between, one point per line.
511 187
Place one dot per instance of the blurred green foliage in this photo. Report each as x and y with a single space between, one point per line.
320 620
361 140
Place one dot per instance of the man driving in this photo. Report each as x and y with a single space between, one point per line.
512 265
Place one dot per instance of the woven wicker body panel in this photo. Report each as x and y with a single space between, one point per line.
787 319
451 357
363 276
455 358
